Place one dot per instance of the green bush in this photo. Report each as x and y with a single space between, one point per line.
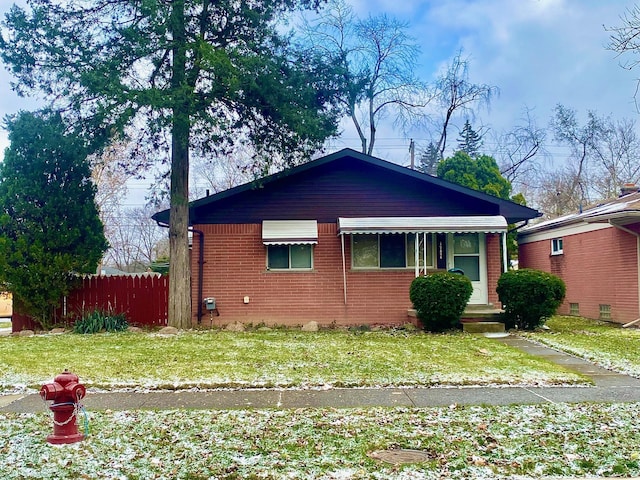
97 321
529 297
440 299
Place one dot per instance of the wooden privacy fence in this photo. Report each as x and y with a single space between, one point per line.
142 298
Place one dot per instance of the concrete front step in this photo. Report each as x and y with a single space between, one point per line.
473 313
483 327
476 319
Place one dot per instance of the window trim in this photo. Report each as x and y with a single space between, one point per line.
557 246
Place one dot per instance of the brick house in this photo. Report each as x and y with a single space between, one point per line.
596 253
338 240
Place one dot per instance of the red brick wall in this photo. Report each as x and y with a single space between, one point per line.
599 267
494 266
235 267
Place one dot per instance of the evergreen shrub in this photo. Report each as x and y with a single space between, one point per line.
529 297
440 299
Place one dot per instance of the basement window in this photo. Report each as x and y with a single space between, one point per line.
574 309
605 312
556 246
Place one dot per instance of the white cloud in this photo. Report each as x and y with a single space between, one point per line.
538 52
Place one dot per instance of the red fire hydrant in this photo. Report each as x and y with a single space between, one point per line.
66 393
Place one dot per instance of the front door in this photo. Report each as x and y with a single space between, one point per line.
467 252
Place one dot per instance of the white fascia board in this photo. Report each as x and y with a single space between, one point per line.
565 231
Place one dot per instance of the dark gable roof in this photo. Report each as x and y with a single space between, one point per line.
348 184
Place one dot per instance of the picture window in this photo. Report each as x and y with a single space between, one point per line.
395 250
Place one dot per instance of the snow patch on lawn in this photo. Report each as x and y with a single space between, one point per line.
475 443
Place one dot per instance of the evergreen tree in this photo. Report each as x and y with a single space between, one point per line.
429 159
482 174
469 142
50 229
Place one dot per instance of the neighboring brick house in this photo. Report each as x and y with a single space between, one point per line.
596 253
334 241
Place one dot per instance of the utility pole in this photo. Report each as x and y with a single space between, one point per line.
412 152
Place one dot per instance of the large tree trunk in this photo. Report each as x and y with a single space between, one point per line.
179 264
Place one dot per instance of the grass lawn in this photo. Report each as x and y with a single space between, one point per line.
477 443
606 344
483 442
276 358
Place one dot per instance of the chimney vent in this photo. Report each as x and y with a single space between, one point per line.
628 188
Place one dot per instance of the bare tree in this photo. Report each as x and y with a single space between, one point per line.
372 63
581 141
111 189
455 94
603 156
519 151
218 173
556 194
136 240
616 152
625 39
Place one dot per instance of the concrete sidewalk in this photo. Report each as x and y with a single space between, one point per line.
609 387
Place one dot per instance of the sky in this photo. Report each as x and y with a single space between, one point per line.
537 52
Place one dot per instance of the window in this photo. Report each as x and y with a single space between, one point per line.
574 309
466 254
289 257
289 243
605 312
556 246
394 250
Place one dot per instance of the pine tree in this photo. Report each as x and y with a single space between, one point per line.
469 142
429 159
50 229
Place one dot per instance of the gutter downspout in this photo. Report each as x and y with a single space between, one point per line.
200 264
200 270
637 235
504 242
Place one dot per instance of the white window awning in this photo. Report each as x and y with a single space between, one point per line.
289 232
465 224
